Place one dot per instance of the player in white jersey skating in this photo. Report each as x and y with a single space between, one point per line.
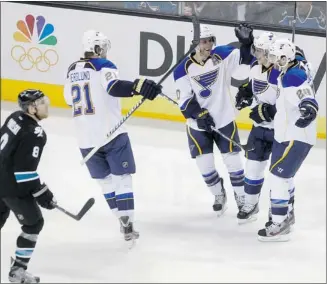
260 95
202 81
295 134
93 89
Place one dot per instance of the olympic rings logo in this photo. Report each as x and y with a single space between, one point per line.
34 57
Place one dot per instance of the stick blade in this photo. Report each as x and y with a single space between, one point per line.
87 206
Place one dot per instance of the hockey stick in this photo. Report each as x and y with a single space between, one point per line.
87 206
195 42
245 148
293 23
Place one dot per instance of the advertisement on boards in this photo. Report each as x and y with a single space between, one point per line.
39 43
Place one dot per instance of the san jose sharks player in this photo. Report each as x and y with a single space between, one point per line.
260 95
295 134
202 82
93 89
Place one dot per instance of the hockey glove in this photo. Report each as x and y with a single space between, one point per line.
244 33
263 112
309 112
244 97
44 197
147 88
205 120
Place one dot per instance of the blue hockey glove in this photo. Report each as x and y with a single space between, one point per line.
309 112
205 120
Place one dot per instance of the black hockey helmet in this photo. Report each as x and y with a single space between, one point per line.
27 97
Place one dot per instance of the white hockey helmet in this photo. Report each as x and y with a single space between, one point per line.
261 44
96 42
281 52
205 32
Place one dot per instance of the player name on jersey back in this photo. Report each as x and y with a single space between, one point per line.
95 111
79 76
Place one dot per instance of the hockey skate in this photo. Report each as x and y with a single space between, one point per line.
291 218
136 234
220 204
129 234
18 274
248 213
240 200
275 232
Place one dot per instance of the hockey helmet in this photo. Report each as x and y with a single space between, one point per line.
261 44
96 42
205 32
27 97
281 52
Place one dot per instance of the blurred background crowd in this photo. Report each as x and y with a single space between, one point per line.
309 14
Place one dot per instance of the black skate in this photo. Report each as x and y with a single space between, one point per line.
220 204
136 234
248 213
128 230
275 232
18 274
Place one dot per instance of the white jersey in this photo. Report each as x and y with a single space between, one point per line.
94 111
264 86
208 85
293 88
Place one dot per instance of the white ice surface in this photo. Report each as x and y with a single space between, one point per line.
181 239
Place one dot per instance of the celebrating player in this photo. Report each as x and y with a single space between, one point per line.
22 142
295 134
203 81
262 87
93 89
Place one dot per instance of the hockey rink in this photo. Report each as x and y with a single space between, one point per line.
181 239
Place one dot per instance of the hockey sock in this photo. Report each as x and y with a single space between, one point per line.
253 180
25 247
252 188
108 188
233 163
206 165
124 196
279 198
237 181
213 182
291 192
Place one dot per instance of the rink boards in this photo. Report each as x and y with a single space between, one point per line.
39 43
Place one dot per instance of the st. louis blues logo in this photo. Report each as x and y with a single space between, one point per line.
206 80
259 86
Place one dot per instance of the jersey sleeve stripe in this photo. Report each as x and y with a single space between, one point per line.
24 177
111 84
185 104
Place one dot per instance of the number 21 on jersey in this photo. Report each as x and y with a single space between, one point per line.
81 96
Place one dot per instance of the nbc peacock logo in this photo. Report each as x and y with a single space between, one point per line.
36 39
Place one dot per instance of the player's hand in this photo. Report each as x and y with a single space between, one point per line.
309 112
244 97
244 33
44 197
205 121
147 88
263 112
